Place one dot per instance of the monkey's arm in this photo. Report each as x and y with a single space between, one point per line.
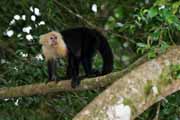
51 69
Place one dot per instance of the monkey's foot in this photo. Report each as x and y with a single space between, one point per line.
94 73
75 83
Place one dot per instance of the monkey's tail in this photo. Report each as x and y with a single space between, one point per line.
106 54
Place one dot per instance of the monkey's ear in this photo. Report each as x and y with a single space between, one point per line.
41 39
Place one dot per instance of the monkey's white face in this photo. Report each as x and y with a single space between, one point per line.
53 45
53 40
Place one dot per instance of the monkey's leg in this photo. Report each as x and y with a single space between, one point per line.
69 69
74 62
87 65
52 70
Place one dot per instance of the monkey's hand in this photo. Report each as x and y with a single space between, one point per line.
93 73
53 78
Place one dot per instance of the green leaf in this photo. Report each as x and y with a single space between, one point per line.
165 13
156 35
160 2
151 54
153 12
142 45
119 13
164 46
175 7
178 76
171 19
178 26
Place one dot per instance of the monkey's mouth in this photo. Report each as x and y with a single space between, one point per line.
53 42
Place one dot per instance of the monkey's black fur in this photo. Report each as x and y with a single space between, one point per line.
82 43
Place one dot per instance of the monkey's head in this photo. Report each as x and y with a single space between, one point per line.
54 40
51 39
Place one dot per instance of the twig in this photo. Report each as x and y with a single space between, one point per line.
157 112
75 14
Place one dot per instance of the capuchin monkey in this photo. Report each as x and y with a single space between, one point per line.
79 46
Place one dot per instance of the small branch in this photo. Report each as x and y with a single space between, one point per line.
157 112
74 14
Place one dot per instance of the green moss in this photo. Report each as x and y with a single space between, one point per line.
175 71
130 103
170 73
148 87
166 77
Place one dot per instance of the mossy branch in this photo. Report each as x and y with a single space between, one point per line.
136 91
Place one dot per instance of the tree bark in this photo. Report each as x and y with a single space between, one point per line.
133 93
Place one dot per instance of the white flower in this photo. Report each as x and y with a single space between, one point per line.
94 8
6 99
23 17
23 54
17 17
36 12
15 68
146 1
10 33
36 25
119 112
27 29
119 24
126 44
3 61
125 58
19 35
29 37
12 22
33 17
39 57
41 23
161 7
31 9
17 102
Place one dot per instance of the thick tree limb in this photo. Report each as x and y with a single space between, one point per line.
87 84
129 96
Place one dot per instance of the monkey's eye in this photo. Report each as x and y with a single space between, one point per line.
51 38
55 37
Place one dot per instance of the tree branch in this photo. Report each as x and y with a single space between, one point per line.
86 84
136 91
